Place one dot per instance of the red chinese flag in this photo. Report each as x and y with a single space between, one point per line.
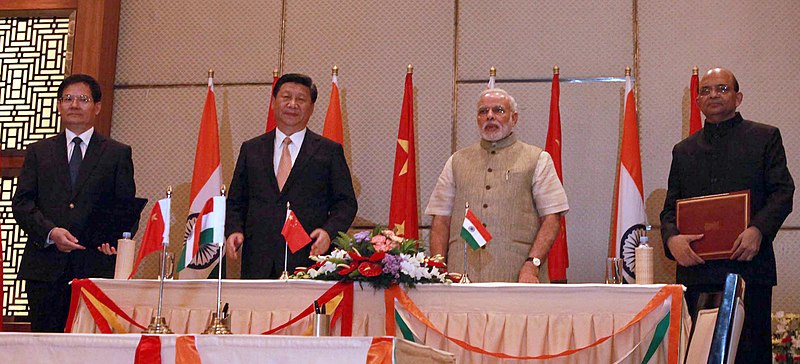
558 259
296 237
271 123
156 233
695 123
333 118
403 210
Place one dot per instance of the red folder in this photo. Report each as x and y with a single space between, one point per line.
721 218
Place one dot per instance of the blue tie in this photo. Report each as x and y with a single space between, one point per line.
75 160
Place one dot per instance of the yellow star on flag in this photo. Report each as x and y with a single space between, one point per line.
404 144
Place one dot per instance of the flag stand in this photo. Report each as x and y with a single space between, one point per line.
220 321
285 274
464 277
158 325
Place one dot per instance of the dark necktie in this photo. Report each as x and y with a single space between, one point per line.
75 160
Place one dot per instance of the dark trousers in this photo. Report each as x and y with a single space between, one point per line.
755 343
49 305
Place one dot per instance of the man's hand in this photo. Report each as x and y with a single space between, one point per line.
747 245
107 249
232 245
322 241
529 273
64 240
679 247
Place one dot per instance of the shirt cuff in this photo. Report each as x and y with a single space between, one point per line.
49 242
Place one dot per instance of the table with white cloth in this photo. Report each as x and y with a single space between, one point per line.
509 318
231 349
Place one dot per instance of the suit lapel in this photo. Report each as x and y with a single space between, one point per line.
97 146
58 153
309 147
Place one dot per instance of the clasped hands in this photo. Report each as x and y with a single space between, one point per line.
745 248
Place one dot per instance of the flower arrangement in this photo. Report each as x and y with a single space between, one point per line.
378 257
785 341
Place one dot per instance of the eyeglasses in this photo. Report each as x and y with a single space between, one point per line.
721 89
68 99
484 110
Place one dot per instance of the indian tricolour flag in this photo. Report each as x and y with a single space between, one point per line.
209 230
629 215
206 181
473 231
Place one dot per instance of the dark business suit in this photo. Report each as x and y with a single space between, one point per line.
45 199
729 156
319 189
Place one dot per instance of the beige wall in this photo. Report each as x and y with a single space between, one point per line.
165 49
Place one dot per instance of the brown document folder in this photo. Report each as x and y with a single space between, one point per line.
721 218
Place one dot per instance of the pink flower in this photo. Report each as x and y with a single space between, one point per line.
378 239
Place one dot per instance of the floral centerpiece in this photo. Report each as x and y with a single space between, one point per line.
785 341
378 257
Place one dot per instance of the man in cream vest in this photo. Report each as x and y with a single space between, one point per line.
512 187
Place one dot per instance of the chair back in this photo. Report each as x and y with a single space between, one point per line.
730 319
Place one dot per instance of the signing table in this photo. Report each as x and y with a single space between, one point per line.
576 323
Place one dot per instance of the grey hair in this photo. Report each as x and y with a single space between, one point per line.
511 99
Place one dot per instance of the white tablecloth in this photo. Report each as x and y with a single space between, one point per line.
517 319
230 349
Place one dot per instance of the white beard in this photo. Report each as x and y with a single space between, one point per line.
502 131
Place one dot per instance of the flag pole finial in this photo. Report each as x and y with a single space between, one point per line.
627 71
466 205
274 72
492 72
409 68
335 70
288 206
555 69
169 191
210 73
222 190
695 71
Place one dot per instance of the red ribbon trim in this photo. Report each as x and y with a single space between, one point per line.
344 310
91 287
674 291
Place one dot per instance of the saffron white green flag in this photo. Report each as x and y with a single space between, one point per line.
206 181
209 230
629 215
473 231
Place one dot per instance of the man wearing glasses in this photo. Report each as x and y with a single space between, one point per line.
68 186
731 154
512 187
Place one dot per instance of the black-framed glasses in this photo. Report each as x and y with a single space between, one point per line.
68 99
497 109
721 89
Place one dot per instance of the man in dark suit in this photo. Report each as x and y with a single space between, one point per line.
731 154
289 164
68 186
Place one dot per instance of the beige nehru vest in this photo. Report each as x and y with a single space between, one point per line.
496 179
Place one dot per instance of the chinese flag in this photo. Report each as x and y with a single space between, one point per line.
296 237
156 233
558 259
333 118
271 123
695 123
403 209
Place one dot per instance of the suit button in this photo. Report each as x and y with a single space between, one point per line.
488 187
71 205
485 205
489 169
